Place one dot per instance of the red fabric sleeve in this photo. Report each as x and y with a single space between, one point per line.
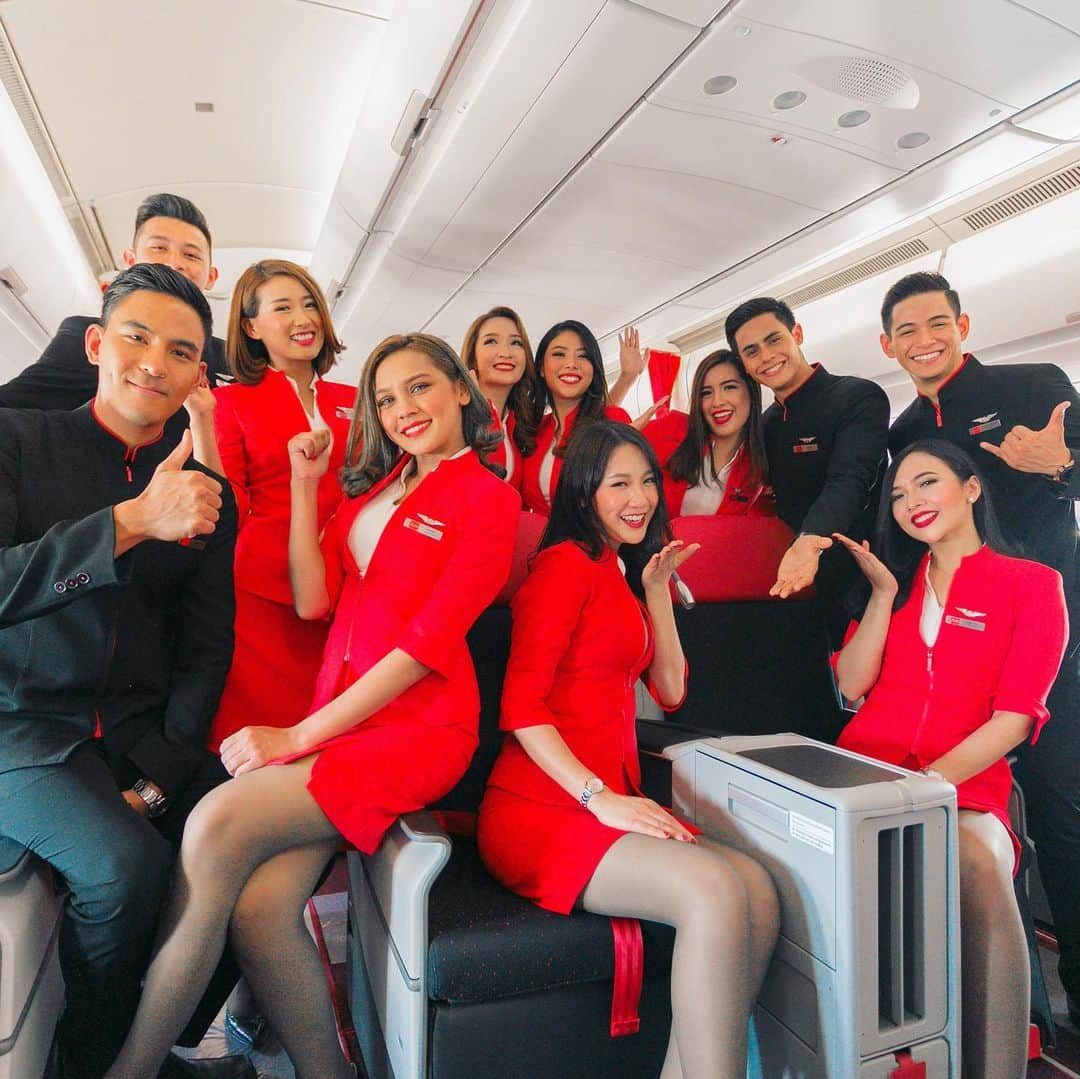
470 580
620 415
655 696
546 611
1040 632
853 625
230 443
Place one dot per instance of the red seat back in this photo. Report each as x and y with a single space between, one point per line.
530 529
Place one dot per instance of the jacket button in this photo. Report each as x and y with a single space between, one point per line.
72 583
60 587
83 578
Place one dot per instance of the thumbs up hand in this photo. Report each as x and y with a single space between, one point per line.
175 505
1042 452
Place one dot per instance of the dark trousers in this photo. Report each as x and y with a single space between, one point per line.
116 865
1049 775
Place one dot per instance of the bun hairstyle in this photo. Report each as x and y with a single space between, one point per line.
573 507
370 454
591 406
522 398
687 462
248 358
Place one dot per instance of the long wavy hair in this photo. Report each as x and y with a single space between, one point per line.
687 463
573 508
521 400
370 453
591 405
902 553
248 358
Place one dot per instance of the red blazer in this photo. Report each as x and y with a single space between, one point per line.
531 494
506 452
1001 641
441 560
580 640
741 498
254 425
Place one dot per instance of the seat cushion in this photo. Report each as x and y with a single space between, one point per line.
10 853
487 943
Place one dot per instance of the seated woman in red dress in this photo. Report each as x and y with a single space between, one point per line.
407 564
570 382
281 343
562 821
497 351
956 649
714 457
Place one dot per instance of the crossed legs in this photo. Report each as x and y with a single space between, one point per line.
251 853
726 916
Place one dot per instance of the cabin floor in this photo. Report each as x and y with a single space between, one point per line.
330 906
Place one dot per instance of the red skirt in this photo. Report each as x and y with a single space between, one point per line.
276 660
366 778
546 853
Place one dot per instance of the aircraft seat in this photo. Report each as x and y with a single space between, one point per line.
31 988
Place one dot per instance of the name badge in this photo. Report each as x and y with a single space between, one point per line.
426 526
980 428
965 623
806 445
343 412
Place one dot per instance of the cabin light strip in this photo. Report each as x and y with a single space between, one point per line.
18 90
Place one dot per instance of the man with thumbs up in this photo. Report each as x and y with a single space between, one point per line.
1021 425
116 610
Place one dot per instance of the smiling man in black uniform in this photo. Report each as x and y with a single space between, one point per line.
116 610
825 437
1021 425
169 231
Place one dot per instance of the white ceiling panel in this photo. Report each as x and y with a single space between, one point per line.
996 47
800 170
285 78
1065 13
694 12
582 87
770 61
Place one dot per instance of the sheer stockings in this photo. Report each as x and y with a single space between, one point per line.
726 916
995 973
255 830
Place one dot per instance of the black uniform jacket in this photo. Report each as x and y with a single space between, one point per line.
64 378
133 650
826 449
982 404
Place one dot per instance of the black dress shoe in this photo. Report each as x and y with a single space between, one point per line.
232 1067
251 1031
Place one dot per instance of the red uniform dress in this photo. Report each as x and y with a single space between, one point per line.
580 640
441 559
741 497
277 655
506 453
999 647
532 486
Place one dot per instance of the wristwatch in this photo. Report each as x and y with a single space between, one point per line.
1064 474
593 785
156 802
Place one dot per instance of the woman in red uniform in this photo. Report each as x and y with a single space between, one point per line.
406 565
280 345
498 353
570 381
955 650
562 821
714 457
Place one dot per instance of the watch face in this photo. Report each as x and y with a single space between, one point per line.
594 785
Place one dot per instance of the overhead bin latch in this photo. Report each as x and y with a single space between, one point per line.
412 126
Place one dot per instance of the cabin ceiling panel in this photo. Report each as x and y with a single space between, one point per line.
769 61
695 12
996 47
118 89
549 111
1064 12
801 170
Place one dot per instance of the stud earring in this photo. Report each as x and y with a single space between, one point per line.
971 498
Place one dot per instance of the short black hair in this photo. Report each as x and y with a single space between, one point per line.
153 277
175 206
573 510
762 305
914 284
